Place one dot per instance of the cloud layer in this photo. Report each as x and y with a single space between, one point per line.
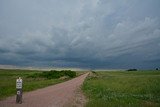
80 33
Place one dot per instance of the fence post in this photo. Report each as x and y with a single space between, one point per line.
19 83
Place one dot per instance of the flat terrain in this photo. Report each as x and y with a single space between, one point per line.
123 89
8 81
59 95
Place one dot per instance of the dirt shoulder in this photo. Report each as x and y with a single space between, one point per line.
60 95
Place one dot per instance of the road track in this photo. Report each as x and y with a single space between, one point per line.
59 95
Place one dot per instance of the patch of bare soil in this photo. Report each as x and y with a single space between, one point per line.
80 100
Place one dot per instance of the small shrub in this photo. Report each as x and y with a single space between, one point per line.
53 74
69 73
132 70
93 72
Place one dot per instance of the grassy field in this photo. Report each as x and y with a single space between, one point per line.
8 81
123 89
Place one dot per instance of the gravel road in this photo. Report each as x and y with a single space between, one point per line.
59 95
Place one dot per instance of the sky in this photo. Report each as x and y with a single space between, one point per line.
95 34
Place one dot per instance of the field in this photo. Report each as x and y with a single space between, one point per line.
32 80
123 89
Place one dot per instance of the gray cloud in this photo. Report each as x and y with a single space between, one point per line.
81 33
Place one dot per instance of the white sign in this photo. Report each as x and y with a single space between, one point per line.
19 83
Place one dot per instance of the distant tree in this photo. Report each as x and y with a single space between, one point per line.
157 69
132 70
93 71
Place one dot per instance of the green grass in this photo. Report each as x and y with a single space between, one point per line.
8 81
123 89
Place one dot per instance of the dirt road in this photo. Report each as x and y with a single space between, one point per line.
60 95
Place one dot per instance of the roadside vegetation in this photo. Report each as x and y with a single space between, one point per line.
53 74
32 79
123 89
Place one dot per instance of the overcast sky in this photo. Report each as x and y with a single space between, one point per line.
80 33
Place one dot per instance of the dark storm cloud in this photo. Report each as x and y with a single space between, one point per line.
80 33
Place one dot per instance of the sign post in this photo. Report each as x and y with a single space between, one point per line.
19 90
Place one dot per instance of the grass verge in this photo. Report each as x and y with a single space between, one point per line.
123 89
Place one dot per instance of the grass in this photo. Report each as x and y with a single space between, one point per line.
123 89
30 81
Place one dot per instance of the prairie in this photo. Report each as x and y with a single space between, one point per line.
123 89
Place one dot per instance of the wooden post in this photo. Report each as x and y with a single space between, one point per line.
19 90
